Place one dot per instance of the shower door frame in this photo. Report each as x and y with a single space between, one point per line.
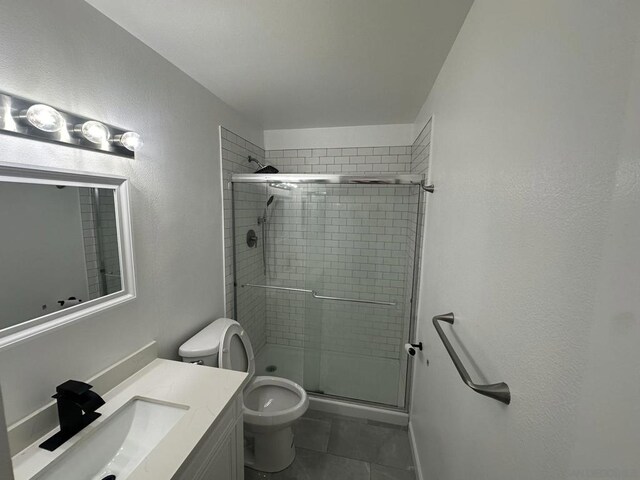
408 180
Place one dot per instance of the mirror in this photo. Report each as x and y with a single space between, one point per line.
64 247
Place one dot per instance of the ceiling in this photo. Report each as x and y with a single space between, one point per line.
303 63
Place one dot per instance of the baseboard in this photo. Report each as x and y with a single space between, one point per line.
358 411
414 451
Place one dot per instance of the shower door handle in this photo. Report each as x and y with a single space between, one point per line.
318 296
497 391
353 300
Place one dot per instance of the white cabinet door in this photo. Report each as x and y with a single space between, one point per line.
222 465
221 455
239 450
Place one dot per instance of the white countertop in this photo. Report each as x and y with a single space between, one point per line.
205 390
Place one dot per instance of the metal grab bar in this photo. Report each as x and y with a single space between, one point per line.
498 391
318 296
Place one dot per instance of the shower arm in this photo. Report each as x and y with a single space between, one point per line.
255 160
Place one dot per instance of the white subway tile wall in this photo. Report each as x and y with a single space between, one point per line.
105 247
342 160
90 247
345 241
420 161
421 150
108 242
348 241
352 241
250 202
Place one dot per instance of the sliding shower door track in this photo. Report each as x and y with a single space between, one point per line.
356 402
294 178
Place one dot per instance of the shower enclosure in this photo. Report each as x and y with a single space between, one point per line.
328 267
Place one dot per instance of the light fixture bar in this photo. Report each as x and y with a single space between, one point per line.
39 121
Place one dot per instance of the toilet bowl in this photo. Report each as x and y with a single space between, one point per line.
271 404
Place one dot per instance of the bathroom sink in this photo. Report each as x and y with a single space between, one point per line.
118 445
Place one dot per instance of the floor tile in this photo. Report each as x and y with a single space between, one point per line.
370 443
311 465
380 472
312 434
250 474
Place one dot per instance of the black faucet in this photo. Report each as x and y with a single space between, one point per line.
77 406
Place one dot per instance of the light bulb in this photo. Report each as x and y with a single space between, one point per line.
130 140
93 131
44 118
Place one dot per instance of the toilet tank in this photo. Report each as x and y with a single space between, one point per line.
203 347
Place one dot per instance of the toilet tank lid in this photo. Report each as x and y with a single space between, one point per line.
207 341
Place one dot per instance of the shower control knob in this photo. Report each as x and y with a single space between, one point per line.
252 239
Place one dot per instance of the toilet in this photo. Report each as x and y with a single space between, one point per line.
271 404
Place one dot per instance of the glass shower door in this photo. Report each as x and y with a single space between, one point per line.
354 244
359 249
315 272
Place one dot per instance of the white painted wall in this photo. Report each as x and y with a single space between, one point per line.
340 137
68 54
41 250
532 240
6 470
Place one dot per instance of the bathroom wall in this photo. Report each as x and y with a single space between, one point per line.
342 249
69 55
90 241
103 246
251 200
34 277
385 159
532 242
336 137
346 241
420 158
6 469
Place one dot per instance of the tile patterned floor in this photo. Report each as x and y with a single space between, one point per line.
333 447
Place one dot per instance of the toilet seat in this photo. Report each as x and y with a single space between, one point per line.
268 401
236 352
273 401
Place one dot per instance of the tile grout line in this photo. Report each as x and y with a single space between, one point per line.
331 420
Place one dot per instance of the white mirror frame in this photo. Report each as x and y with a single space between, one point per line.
18 173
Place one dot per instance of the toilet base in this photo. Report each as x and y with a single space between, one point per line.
269 451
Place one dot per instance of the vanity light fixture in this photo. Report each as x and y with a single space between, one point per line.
93 131
37 121
43 117
129 140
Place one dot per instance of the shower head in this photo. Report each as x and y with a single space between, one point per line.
267 169
270 201
263 168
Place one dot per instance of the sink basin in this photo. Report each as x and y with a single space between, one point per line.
118 445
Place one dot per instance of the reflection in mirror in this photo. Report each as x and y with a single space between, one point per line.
58 248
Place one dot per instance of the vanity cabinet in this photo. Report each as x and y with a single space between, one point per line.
220 453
